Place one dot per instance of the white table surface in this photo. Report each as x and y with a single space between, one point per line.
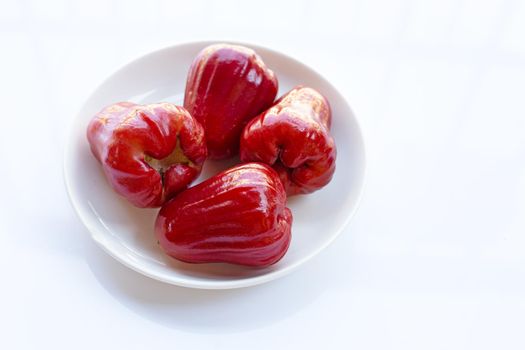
435 257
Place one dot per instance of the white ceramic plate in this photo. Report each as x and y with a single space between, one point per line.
126 232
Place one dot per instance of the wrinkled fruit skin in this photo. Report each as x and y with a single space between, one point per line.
148 152
238 216
227 85
293 136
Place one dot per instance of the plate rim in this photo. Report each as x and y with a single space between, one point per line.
201 283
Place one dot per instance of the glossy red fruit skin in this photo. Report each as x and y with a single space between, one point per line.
127 138
293 136
227 85
238 216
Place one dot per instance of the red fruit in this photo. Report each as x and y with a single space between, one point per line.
227 85
238 216
148 153
293 136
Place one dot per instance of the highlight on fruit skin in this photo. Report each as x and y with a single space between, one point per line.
148 153
293 136
238 216
227 85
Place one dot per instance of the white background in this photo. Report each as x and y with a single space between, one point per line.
435 257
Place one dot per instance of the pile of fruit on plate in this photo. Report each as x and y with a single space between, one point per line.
150 154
